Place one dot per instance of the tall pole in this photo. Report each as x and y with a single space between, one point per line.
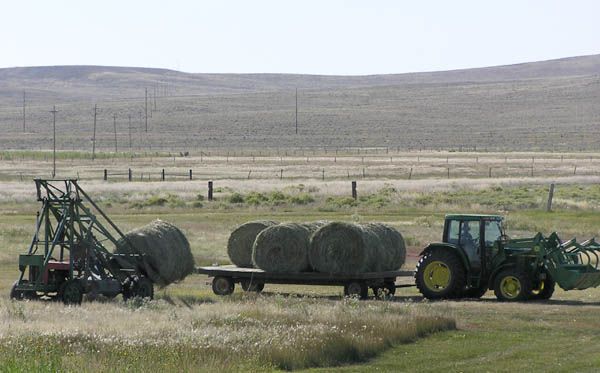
129 132
23 111
54 111
146 106
296 111
115 125
94 135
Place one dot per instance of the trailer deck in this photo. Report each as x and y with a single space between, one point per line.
253 279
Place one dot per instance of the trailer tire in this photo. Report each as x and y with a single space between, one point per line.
440 275
223 285
248 285
71 292
546 289
512 285
356 289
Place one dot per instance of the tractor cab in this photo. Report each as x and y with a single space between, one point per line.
475 236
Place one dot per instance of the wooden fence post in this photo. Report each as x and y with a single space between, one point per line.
410 174
281 174
323 174
550 195
354 195
210 190
162 175
190 174
105 174
129 174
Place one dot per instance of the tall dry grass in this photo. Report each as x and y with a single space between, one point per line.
245 332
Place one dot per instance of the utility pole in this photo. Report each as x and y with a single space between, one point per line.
54 111
23 111
115 125
94 135
155 97
129 133
146 108
296 111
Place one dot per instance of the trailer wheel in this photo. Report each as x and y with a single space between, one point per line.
70 292
440 275
223 285
254 286
545 289
512 285
386 291
356 289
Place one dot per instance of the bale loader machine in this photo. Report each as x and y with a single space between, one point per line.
67 257
475 256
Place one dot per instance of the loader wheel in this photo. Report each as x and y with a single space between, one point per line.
70 292
143 288
222 285
356 289
545 290
248 285
511 286
440 275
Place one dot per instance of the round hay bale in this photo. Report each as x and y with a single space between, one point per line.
283 248
355 248
239 245
167 255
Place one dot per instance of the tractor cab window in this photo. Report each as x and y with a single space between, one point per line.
469 238
493 231
453 231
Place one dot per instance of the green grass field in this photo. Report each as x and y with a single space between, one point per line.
302 327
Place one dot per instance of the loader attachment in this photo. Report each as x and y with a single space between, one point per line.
571 264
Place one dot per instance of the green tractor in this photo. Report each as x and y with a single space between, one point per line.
475 256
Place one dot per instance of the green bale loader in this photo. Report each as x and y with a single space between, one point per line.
475 256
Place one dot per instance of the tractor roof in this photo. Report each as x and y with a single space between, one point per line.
473 217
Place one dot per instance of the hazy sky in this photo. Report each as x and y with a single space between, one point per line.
316 37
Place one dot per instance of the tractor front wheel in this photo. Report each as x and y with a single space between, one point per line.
544 290
440 275
70 292
512 286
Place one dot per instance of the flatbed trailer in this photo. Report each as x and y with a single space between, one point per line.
253 279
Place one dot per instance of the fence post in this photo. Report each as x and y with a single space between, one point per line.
550 195
363 173
210 190
190 174
410 174
162 175
281 174
490 172
129 174
448 172
354 195
323 174
105 174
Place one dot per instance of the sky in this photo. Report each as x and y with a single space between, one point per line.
334 37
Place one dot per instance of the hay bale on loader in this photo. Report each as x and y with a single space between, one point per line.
355 248
241 240
284 247
168 257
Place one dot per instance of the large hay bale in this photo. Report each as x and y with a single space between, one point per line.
284 247
167 258
239 245
355 248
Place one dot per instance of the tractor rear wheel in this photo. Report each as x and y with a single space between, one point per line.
512 285
440 275
545 289
70 292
